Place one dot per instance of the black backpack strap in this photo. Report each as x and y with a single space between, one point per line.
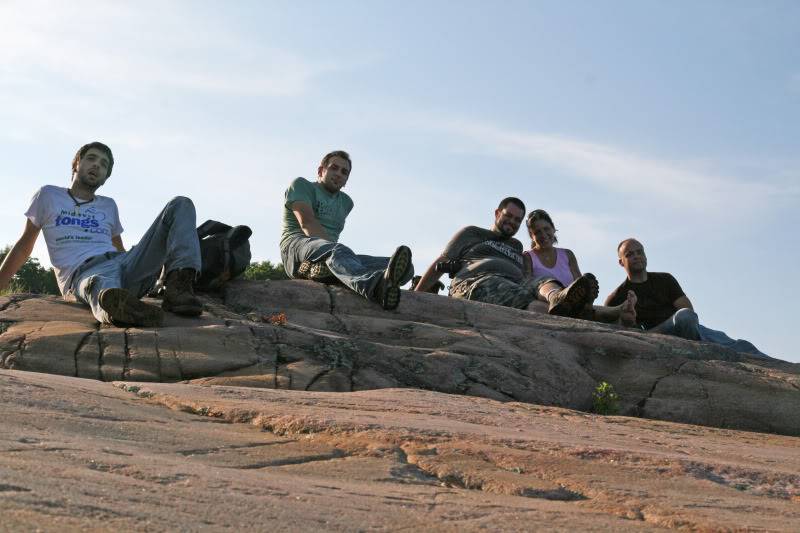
210 227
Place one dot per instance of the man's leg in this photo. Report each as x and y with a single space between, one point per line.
301 250
498 290
569 301
684 323
361 273
99 285
171 242
721 338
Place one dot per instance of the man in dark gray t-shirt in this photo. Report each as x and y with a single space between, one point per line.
487 265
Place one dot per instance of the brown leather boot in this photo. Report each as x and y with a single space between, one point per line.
179 295
125 309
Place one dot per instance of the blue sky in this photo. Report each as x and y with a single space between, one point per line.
675 122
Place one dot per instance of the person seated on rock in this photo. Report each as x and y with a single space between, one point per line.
544 259
661 304
487 265
313 217
83 235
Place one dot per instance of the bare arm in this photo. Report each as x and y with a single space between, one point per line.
18 254
573 265
117 242
308 221
682 302
430 277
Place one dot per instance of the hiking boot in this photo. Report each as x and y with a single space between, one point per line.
316 271
124 309
179 295
388 290
571 301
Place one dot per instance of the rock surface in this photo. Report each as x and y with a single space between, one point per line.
79 454
309 337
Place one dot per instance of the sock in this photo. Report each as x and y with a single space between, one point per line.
550 294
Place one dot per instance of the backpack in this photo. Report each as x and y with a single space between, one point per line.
225 253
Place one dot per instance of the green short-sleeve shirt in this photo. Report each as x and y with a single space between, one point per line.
331 210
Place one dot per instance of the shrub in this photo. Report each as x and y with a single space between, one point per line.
605 399
264 270
31 277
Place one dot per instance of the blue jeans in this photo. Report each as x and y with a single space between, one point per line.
719 337
361 273
171 243
685 323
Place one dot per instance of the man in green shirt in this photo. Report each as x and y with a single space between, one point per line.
313 217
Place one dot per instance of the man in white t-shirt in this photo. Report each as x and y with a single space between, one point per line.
83 235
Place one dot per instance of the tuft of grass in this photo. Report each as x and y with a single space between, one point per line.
605 400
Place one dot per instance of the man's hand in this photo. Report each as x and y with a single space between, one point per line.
308 221
18 254
438 286
430 278
627 316
682 303
117 242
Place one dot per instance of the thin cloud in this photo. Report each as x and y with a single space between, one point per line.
619 170
114 47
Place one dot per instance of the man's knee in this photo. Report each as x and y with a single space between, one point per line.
338 249
181 202
687 323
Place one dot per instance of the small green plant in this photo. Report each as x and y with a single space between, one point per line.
605 399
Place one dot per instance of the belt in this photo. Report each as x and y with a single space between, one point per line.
91 261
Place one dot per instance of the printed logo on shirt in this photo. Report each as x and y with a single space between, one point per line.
88 220
326 209
505 250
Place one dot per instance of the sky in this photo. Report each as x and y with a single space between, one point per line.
673 122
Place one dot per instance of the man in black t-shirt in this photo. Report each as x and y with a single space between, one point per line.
661 304
487 265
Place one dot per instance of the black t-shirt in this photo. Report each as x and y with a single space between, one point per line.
485 252
655 298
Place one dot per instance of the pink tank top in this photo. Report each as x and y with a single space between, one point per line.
560 270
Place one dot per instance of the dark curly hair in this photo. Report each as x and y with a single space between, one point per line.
336 153
539 214
85 148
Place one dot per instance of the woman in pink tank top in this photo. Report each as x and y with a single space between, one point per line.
544 259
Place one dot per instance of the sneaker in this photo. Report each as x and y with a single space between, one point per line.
388 290
316 271
179 295
124 309
571 301
304 270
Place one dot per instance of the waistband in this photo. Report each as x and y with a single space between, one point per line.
90 262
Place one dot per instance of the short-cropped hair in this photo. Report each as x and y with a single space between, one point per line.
625 241
85 148
336 153
511 200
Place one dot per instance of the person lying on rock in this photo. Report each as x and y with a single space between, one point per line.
487 265
545 259
82 231
313 217
661 304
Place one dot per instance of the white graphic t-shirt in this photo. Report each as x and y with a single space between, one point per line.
73 233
